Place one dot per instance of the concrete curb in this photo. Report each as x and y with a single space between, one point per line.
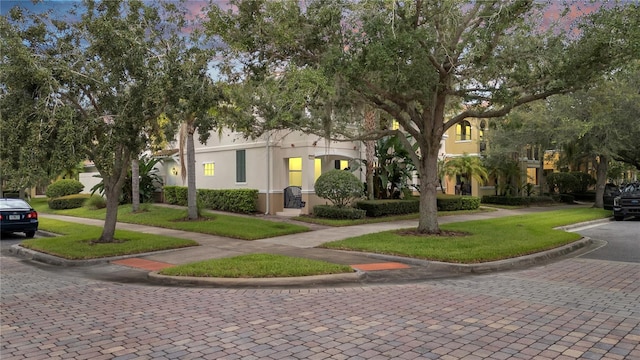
55 260
255 282
500 265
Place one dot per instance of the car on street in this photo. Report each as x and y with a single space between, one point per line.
628 202
16 215
610 193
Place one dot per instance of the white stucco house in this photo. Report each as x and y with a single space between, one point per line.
270 164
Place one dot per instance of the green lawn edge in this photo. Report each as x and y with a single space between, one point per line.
257 266
75 241
487 240
232 226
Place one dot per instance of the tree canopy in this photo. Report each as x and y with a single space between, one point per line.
427 64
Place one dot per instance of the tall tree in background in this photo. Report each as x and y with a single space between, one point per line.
105 71
428 64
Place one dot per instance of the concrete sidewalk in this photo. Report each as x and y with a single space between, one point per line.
304 245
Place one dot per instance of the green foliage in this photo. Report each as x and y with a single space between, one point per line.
584 181
469 167
335 212
64 187
394 168
95 202
339 186
232 200
150 182
68 202
516 200
565 182
376 208
454 203
256 266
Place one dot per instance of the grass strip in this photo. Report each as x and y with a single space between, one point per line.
257 266
487 240
76 241
238 227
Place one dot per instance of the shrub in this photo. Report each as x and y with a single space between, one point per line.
376 208
95 202
232 200
338 186
68 202
584 181
64 187
568 182
335 212
516 200
455 203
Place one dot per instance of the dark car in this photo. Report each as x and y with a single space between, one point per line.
611 191
628 202
17 215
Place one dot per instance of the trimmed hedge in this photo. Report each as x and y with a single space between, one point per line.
376 208
455 203
232 200
334 212
68 202
516 200
63 188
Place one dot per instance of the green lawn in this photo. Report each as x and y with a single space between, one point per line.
76 241
487 240
257 266
238 227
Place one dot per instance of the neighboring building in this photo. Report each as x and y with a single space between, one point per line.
271 163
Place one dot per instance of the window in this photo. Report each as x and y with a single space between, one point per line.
395 125
241 166
483 127
317 164
341 164
295 172
209 169
463 131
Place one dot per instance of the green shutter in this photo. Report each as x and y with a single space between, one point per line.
241 169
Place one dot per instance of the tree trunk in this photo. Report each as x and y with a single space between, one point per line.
112 189
428 169
541 172
192 196
601 180
370 151
135 185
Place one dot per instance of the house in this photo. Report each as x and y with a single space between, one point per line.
271 164
469 137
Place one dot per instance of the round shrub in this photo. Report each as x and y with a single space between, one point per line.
95 202
339 186
63 188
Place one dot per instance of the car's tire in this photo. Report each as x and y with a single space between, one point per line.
29 234
618 217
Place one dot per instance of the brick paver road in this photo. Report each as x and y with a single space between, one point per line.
578 308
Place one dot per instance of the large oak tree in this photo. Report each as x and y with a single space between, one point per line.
429 64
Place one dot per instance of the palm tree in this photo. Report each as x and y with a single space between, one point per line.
469 167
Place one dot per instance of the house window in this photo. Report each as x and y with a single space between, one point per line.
395 125
295 172
483 127
317 169
341 164
209 169
241 168
463 131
